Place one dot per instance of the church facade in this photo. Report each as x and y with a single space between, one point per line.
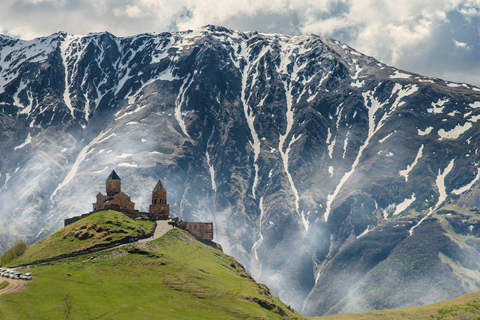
117 200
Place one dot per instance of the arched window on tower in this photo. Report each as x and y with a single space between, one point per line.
156 201
161 201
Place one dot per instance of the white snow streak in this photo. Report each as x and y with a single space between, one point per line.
437 107
125 155
345 144
386 137
27 141
126 164
81 156
7 177
247 110
468 186
440 181
364 232
212 172
179 101
330 170
129 112
455 132
475 105
405 172
331 145
260 239
400 75
375 105
284 151
425 132
404 205
66 93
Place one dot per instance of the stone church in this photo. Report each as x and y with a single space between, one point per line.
159 209
117 200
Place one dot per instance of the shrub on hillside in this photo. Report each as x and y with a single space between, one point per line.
14 252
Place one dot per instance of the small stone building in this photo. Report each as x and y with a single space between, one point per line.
202 230
115 198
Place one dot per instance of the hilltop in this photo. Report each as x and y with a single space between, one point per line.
172 277
96 230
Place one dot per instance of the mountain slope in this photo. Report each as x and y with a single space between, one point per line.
97 230
173 277
296 147
464 307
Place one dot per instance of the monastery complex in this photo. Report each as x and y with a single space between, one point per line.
159 209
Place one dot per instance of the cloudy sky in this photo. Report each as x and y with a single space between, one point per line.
439 38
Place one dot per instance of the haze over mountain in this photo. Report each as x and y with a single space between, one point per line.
325 171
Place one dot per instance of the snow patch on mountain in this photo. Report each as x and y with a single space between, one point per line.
345 145
456 132
475 105
7 177
64 48
386 137
127 164
260 236
180 101
285 150
330 170
440 181
211 169
373 105
366 231
437 107
248 112
125 155
400 75
425 132
404 205
469 185
81 156
27 141
404 173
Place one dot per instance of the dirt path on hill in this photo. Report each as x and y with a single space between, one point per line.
14 285
162 228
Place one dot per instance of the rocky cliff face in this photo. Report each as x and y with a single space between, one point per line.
335 179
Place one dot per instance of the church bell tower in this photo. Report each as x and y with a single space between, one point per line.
114 184
159 206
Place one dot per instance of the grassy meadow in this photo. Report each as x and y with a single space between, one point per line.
173 277
466 307
99 228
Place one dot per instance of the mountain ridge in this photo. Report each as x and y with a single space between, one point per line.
295 146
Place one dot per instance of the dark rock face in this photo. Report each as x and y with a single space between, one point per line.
321 168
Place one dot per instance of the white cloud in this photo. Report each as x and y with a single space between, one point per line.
408 34
462 45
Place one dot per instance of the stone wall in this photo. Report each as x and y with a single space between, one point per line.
202 230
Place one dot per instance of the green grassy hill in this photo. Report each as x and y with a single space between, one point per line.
99 228
172 277
466 307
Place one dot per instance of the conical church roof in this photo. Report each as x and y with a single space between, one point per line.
113 176
159 186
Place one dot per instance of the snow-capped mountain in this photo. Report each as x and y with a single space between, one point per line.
335 179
